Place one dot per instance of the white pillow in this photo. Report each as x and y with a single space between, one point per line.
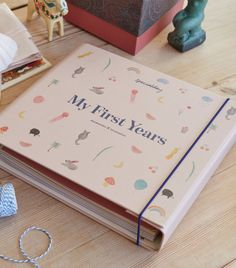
8 48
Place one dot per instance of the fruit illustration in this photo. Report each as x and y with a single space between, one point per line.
109 181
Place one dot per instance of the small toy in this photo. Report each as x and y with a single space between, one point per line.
52 11
188 32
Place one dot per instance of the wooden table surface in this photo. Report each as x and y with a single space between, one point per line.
206 238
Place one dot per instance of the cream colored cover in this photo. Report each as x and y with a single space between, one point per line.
119 128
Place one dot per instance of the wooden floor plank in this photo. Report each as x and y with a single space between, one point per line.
13 4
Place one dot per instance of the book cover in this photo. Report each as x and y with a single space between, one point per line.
141 139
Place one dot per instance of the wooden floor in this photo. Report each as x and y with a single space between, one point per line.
206 238
13 4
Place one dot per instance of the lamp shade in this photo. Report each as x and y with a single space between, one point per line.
8 48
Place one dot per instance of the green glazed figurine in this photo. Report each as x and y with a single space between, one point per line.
188 32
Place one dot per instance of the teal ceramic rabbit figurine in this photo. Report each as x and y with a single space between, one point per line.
188 32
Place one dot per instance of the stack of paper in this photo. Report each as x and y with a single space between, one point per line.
28 60
8 49
12 27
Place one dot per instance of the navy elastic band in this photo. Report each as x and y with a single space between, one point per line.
175 168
